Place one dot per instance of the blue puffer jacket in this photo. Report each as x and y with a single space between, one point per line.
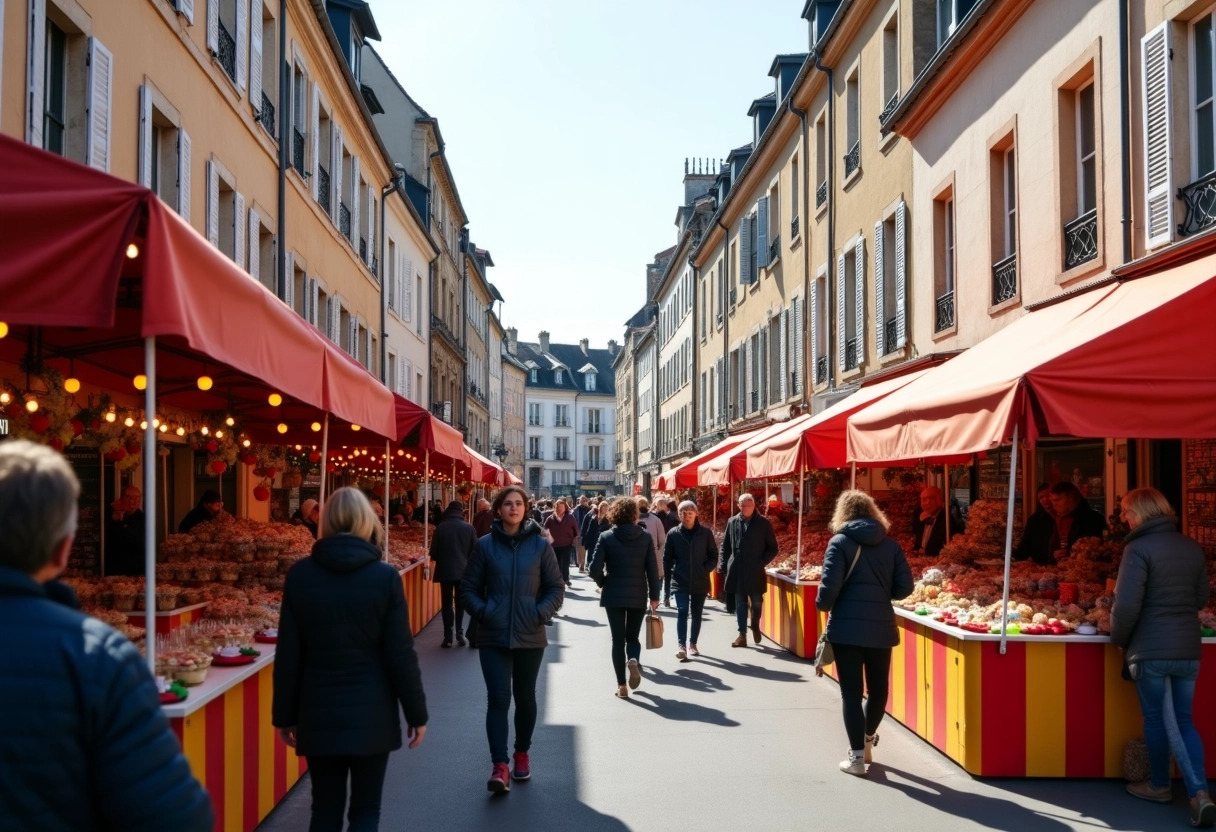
84 744
512 586
861 612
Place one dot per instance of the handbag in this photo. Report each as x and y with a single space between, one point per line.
823 648
654 631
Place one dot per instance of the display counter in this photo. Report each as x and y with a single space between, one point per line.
169 620
421 594
789 616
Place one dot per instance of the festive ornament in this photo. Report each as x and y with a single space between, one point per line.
315 456
39 423
117 455
56 443
212 446
132 448
261 493
217 466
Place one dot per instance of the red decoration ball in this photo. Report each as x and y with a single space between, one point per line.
133 448
212 446
261 493
77 427
39 423
218 466
315 456
271 472
56 443
117 455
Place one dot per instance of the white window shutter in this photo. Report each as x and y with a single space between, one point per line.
859 298
238 230
783 390
354 203
255 55
213 203
242 43
36 72
101 81
799 340
145 136
314 139
213 26
314 298
840 333
901 276
1159 197
762 231
745 251
880 276
762 384
289 291
255 248
335 317
183 174
371 226
186 7
407 285
335 172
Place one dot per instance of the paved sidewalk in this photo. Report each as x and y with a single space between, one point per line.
741 739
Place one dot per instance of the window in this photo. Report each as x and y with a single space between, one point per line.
561 448
262 251
299 117
224 207
890 273
418 302
69 91
561 415
950 14
264 65
557 377
225 38
323 151
1203 122
944 262
850 306
589 382
795 229
595 460
533 374
819 330
55 88
164 150
890 65
562 478
534 417
594 420
852 125
1002 169
1078 162
534 450
1087 161
821 160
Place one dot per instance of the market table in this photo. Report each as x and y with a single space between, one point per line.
789 616
168 620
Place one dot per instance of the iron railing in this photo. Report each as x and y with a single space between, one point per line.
297 150
850 354
363 249
755 401
266 115
323 187
344 219
821 370
795 228
1199 198
438 325
1081 239
852 159
944 317
1005 279
734 296
774 250
821 194
227 51
890 108
890 334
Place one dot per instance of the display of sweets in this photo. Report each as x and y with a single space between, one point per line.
985 535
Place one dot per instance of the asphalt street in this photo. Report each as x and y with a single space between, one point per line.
737 739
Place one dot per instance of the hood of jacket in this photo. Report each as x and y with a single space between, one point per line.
344 553
643 513
687 532
451 514
630 532
1154 525
529 528
865 531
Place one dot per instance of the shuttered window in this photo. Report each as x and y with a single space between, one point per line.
1159 197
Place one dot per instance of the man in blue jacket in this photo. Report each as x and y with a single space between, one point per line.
81 727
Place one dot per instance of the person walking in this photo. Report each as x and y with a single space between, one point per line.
864 570
580 513
344 664
689 557
451 548
748 545
85 741
1161 587
562 527
484 518
512 586
594 525
624 567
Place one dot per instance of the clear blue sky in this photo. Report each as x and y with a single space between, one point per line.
567 123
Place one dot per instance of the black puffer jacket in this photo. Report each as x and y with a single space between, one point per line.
624 565
746 553
345 659
689 556
512 586
861 612
452 546
593 527
1162 585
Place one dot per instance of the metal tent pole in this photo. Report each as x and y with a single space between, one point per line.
324 462
1013 478
853 475
388 463
426 509
150 503
798 520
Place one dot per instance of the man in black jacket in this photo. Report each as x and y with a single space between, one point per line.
689 556
208 508
81 726
1074 517
451 548
125 534
748 546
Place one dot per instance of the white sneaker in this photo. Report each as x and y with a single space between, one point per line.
681 654
854 764
871 741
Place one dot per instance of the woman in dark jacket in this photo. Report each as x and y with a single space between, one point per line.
1162 586
595 524
511 587
689 556
624 567
345 663
861 627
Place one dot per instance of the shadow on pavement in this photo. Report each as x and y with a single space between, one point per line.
679 711
690 680
752 670
582 622
991 812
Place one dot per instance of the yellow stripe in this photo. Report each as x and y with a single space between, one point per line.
970 674
293 767
234 765
1123 719
921 700
194 744
1043 700
928 667
899 708
266 743
954 699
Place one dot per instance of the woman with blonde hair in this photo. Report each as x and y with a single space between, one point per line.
345 664
864 570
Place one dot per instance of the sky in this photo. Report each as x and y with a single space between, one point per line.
567 123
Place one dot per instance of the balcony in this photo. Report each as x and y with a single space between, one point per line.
1199 199
1005 279
821 194
943 318
266 115
535 455
438 326
850 354
754 401
795 228
821 370
890 108
297 150
852 159
344 219
562 457
734 296
437 410
363 249
227 51
323 187
890 334
774 250
1081 240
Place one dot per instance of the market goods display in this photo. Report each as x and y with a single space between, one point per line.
234 551
405 546
985 535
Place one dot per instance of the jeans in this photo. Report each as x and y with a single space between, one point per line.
1164 686
508 671
449 596
626 625
757 601
682 603
564 553
329 775
860 668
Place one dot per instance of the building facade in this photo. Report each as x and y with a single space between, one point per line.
514 406
478 304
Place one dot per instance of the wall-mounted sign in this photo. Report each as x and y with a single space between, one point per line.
596 476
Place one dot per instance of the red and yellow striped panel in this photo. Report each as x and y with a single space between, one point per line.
789 616
422 597
165 623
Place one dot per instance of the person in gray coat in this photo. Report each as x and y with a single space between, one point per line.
652 524
1162 586
861 627
689 557
748 545
451 548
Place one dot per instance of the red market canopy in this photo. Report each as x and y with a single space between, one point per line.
685 474
1126 359
719 470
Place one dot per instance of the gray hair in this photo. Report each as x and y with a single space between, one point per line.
746 497
687 505
348 511
38 494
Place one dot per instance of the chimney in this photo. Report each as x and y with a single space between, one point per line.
512 340
583 343
612 347
544 341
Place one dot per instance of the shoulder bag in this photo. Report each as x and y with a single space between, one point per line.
823 649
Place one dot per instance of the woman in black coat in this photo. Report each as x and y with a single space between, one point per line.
345 663
624 567
689 556
595 524
861 628
511 587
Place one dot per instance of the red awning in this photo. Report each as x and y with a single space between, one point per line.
719 470
685 474
1130 359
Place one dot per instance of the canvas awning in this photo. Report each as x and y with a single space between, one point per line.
685 474
718 470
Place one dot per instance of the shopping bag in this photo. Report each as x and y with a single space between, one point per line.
823 652
654 631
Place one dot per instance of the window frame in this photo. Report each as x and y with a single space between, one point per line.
1197 171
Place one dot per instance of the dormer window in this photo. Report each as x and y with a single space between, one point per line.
534 376
589 380
557 377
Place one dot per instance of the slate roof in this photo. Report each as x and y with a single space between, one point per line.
574 363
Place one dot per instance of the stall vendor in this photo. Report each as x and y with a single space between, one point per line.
208 508
125 534
310 515
929 526
1036 537
1074 519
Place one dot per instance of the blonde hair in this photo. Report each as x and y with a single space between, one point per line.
347 511
38 495
1147 503
857 505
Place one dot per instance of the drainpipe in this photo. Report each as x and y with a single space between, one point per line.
696 353
464 325
1125 130
725 322
284 137
806 254
385 192
831 156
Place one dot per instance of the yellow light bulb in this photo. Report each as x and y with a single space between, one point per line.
156 422
132 251
181 431
230 421
5 398
143 425
205 382
32 406
275 400
164 428
204 430
355 427
316 427
111 417
245 443
72 385
298 447
140 382
219 434
3 329
282 427
400 453
129 422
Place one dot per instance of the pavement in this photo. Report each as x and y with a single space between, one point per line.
740 738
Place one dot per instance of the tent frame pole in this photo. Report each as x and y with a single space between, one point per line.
388 467
798 520
1013 479
149 468
324 460
426 508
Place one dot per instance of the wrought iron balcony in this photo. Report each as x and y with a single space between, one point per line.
850 354
227 51
374 267
1005 279
1081 239
344 219
438 325
323 187
734 296
774 250
821 370
852 159
297 150
821 194
1199 198
755 402
266 115
795 228
890 108
944 317
890 334
363 249
437 411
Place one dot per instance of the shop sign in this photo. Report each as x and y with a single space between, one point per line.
596 476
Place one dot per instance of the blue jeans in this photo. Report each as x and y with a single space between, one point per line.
1166 686
757 601
682 603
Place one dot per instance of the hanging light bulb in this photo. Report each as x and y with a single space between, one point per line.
205 382
230 421
111 416
155 422
400 453
219 434
3 329
132 251
180 431
275 400
72 385
143 425
140 382
5 398
282 427
129 422
245 443
204 430
316 427
32 405
164 428
355 427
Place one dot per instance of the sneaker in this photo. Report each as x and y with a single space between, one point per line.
854 764
523 767
740 641
681 654
692 648
460 639
871 741
1145 790
500 779
1203 811
635 674
447 642
756 633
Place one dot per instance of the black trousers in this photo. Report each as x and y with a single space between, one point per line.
564 553
625 625
329 778
449 597
510 672
861 669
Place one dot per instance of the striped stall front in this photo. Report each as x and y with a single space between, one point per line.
790 618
